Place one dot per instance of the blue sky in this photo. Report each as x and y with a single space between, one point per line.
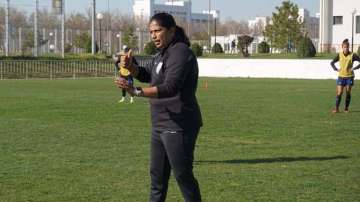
235 9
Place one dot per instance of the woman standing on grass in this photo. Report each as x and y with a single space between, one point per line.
346 75
175 113
123 73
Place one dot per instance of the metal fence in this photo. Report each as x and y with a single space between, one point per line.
21 38
52 69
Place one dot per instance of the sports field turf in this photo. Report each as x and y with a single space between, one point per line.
263 140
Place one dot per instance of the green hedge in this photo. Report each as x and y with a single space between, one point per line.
217 48
150 48
305 48
263 47
197 49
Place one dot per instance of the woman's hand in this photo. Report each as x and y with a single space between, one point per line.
122 83
126 85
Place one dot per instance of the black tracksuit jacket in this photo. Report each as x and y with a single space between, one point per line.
174 71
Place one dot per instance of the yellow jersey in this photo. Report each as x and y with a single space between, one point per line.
346 63
123 71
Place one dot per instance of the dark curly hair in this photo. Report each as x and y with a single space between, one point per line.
166 20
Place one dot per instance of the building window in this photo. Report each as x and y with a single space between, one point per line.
338 20
357 24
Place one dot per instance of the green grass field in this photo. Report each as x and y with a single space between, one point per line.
263 140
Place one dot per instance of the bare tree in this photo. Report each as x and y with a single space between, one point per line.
77 21
234 27
46 19
17 18
120 22
199 31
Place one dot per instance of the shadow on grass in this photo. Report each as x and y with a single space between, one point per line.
274 160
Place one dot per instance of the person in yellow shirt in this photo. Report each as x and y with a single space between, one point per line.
124 73
346 74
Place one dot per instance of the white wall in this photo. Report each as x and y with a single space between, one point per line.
267 68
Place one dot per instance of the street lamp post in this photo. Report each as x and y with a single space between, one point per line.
108 27
215 16
36 42
139 41
100 16
209 23
7 13
119 41
63 28
289 36
352 29
93 38
51 46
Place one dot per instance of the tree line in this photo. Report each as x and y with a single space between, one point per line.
283 33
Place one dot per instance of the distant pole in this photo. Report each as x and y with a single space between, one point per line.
100 48
215 16
209 24
120 40
7 28
189 20
109 29
93 28
20 39
63 28
43 48
56 40
352 30
139 41
100 17
36 51
215 30
119 45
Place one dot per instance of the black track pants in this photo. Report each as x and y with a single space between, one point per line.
173 150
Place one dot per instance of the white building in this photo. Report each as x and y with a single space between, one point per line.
336 18
144 9
225 42
311 23
257 27
259 22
